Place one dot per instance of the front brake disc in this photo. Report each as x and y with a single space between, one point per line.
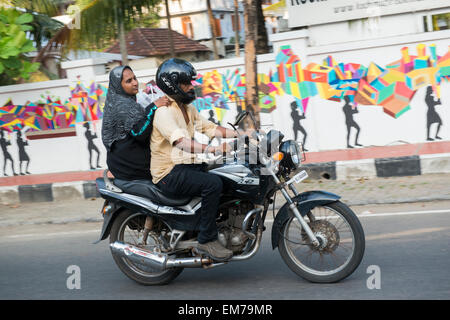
325 229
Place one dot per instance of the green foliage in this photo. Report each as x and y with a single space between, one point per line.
13 45
98 26
43 27
99 21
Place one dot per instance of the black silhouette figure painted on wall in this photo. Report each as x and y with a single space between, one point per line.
349 111
91 146
211 117
432 115
23 156
296 117
6 155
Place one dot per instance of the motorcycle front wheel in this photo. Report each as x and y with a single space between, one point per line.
341 248
128 228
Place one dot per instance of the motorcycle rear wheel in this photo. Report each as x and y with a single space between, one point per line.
342 244
127 228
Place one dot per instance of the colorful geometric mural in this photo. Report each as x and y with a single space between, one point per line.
392 87
84 104
87 103
215 90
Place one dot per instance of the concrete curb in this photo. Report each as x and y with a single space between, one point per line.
338 170
49 192
383 167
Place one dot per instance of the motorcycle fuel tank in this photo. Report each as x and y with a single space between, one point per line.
239 178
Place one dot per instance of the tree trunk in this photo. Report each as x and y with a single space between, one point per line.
172 47
213 29
262 45
123 44
60 34
122 41
251 72
237 48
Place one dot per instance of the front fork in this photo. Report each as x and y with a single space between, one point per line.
294 209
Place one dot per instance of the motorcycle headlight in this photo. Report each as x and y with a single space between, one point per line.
292 154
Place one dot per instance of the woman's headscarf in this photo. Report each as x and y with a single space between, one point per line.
121 111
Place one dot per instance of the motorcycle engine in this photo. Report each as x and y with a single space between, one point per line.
229 225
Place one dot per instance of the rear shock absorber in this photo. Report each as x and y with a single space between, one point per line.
148 226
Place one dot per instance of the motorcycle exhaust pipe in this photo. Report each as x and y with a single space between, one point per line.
158 261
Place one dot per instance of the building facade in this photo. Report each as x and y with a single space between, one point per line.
190 17
341 21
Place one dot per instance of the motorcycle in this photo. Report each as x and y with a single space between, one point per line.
153 238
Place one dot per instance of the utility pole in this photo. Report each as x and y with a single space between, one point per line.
172 48
237 47
213 28
251 71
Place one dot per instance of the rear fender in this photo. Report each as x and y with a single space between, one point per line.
110 211
306 201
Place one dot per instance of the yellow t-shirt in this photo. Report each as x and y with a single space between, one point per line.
169 126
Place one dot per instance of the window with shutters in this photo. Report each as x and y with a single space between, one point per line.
188 29
218 27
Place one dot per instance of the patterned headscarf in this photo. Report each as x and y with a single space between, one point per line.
121 111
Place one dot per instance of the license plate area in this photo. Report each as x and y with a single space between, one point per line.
299 177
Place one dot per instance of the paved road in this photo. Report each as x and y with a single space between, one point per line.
408 242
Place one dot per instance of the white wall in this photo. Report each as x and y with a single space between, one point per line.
21 93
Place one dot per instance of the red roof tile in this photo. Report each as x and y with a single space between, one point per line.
155 41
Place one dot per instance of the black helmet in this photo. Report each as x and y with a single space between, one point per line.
173 72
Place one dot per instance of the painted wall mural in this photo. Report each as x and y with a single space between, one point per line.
50 118
353 86
4 143
391 87
49 115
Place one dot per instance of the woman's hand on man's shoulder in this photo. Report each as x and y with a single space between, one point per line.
162 102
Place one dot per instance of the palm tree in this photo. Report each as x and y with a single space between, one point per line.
101 22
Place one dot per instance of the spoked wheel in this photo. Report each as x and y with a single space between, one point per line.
128 228
341 248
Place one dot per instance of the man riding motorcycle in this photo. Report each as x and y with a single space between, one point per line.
154 227
175 168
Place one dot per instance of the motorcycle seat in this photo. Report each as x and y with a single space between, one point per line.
146 188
